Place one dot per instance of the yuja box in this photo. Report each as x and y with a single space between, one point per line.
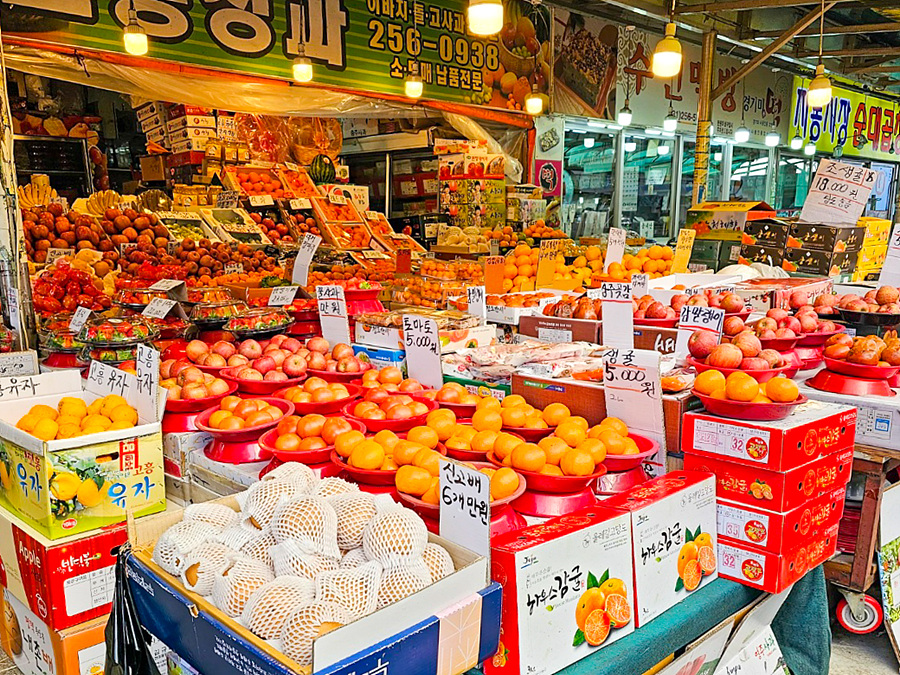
81 483
813 430
673 532
567 590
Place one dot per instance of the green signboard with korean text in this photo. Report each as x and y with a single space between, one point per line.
364 45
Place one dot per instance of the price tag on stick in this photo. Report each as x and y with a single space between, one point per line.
465 507
282 295
174 288
261 200
640 285
618 317
615 247
147 392
423 350
333 314
79 318
696 317
308 248
475 296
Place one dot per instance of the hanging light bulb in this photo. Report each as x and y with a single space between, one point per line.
589 141
134 37
534 104
796 142
809 149
303 67
741 134
819 93
839 151
666 60
662 149
413 86
630 146
624 117
671 122
773 138
485 17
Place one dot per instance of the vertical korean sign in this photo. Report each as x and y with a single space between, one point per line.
548 153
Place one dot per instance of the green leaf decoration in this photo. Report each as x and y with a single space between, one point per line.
697 533
688 536
604 578
579 638
679 585
592 581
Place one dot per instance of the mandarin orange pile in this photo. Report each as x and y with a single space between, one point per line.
653 260
544 231
316 390
390 379
739 386
73 417
453 392
309 432
522 264
237 413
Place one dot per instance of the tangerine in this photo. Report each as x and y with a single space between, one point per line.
504 483
555 413
579 421
505 443
46 429
687 554
597 625
693 575
512 401
595 447
367 455
429 460
554 448
424 435
782 390
528 457
706 556
577 463
412 480
405 451
514 417
483 441
551 470
487 420
618 610
487 403
591 600
708 381
431 495
386 439
616 425
741 388
613 441
348 440
571 433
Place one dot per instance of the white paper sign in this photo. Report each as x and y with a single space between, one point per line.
333 314
261 200
15 320
336 198
54 253
696 317
79 318
300 204
465 507
838 193
104 379
234 268
174 288
618 317
475 296
147 391
308 248
615 247
14 364
640 285
158 308
890 271
423 350
282 295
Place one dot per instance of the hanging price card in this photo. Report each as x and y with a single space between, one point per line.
838 193
15 319
174 288
54 253
465 507
683 250
282 295
104 379
308 248
475 296
158 308
261 200
640 285
618 317
79 318
234 268
147 389
299 204
333 314
493 274
227 199
547 262
494 247
14 364
423 350
336 198
695 317
615 247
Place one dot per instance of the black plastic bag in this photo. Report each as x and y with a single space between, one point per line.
127 643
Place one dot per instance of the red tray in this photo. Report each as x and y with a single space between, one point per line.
817 339
459 409
256 386
322 408
267 443
198 404
432 510
826 380
64 360
366 476
656 323
540 482
859 370
741 315
304 314
248 434
213 370
330 376
358 294
758 375
617 463
783 344
529 435
392 425
757 412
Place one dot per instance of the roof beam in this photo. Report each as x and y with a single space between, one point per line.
745 5
871 66
860 51
776 44
834 30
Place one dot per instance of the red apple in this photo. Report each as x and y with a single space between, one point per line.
292 345
318 344
754 363
348 365
275 376
278 355
725 356
194 390
248 373
316 360
263 364
748 343
341 351
733 325
294 366
223 348
195 348
701 344
777 313
251 349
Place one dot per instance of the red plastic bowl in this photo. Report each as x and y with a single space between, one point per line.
817 339
618 463
459 409
433 510
248 434
826 380
757 412
198 404
758 375
64 360
741 315
530 435
779 344
213 370
267 443
392 425
322 408
859 370
358 294
540 482
366 476
656 323
304 314
330 376
257 386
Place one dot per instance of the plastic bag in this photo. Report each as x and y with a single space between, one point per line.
127 644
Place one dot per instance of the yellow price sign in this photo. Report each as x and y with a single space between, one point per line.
683 250
546 267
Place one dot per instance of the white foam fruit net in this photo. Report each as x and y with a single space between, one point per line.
218 515
236 536
263 499
356 590
269 606
299 559
332 485
237 582
174 544
307 623
395 536
203 565
300 475
259 547
354 511
401 582
439 562
310 520
353 558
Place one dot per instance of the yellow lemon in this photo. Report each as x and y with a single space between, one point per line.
72 410
64 486
68 419
72 401
45 429
115 426
42 411
111 402
27 422
124 413
96 421
96 407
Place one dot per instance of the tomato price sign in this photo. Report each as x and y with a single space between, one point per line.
618 317
422 343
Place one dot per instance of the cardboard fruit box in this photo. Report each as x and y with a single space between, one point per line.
64 582
448 627
814 429
673 531
554 576
778 491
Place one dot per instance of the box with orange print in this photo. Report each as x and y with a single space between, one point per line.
567 590
776 532
673 532
775 490
814 429
771 572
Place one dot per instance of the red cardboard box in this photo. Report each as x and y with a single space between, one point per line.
776 532
814 429
778 491
764 294
770 572
63 581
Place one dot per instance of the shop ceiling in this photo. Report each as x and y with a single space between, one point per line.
861 43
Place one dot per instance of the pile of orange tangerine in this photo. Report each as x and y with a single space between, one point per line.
739 386
654 260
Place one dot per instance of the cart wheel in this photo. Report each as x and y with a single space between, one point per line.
871 620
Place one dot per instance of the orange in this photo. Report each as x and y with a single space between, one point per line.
618 610
693 574
124 413
591 600
554 448
535 421
528 457
504 482
555 413
577 463
720 394
487 420
741 388
424 435
412 480
571 433
440 414
596 626
27 422
706 556
613 586
431 495
595 447
348 440
483 441
782 390
688 553
512 401
616 425
703 539
614 442
514 417
216 419
42 411
761 398
551 470
487 403
578 421
389 464
708 381
405 451
367 455
504 444
429 460
386 439
46 429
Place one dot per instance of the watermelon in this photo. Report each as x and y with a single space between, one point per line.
321 170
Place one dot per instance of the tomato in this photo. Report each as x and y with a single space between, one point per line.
84 300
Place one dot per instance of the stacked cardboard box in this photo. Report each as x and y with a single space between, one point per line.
472 189
152 118
874 248
779 486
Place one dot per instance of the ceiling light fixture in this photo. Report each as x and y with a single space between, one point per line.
671 121
773 138
534 104
809 149
666 59
662 149
796 142
741 134
625 116
589 141
302 67
819 93
485 17
134 37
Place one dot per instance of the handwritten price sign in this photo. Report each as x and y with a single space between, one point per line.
615 247
618 318
475 297
333 314
308 248
465 507
838 193
422 343
696 317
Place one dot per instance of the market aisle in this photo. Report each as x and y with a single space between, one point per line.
855 654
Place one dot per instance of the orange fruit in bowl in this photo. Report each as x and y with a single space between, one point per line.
386 439
405 451
367 455
432 495
514 417
631 447
741 388
430 460
528 457
761 398
571 433
613 441
348 440
487 403
555 413
615 424
708 381
424 435
719 394
782 390
512 401
505 443
577 463
504 482
535 421
578 421
554 448
551 470
458 443
412 480
595 447
484 420
215 420
483 441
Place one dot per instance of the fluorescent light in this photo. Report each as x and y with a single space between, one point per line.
596 125
589 141
134 37
717 156
653 132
